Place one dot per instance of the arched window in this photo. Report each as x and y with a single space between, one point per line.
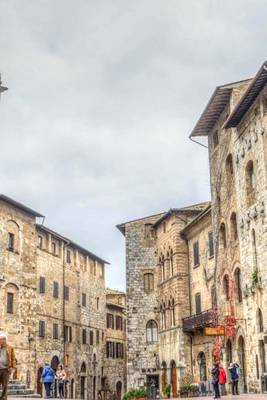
171 263
229 352
254 248
151 331
223 235
201 360
167 266
162 268
233 224
260 320
172 313
238 284
148 282
12 236
250 178
164 316
226 289
213 297
11 298
229 165
164 374
83 368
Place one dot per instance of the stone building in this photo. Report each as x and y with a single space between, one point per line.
235 123
199 239
115 362
222 255
157 292
54 297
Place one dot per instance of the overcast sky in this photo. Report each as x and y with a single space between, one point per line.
102 98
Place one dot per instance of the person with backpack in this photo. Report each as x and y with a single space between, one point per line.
215 380
222 380
48 377
233 369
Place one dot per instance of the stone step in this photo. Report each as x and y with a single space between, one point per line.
17 391
17 386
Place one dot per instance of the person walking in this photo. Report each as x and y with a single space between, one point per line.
222 380
7 363
215 380
233 369
48 377
61 377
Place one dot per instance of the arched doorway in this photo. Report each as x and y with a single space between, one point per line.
229 352
163 375
72 389
54 363
118 390
94 388
242 363
39 382
173 378
201 360
83 381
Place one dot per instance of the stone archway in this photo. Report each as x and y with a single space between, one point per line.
72 393
118 390
163 375
201 360
174 378
83 393
54 363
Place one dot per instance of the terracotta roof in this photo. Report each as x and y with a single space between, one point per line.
248 97
20 206
121 226
71 242
214 108
114 291
198 218
195 208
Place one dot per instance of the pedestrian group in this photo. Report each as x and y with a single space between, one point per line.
219 379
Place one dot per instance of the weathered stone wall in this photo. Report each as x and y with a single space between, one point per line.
115 368
20 274
142 357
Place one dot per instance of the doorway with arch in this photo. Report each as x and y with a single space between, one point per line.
173 378
118 390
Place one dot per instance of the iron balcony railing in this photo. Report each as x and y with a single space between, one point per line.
199 321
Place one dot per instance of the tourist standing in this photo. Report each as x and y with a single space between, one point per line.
215 380
48 377
7 363
61 377
233 369
222 380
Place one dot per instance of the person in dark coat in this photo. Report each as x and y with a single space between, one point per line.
215 380
48 377
233 369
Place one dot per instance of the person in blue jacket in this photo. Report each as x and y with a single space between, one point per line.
234 372
48 377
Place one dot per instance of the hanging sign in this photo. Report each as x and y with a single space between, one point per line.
214 331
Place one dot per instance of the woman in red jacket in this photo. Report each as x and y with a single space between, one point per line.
222 381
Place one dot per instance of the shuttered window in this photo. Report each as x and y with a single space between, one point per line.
10 303
66 293
55 290
41 328
110 321
119 323
198 303
83 299
211 245
84 336
149 282
55 331
42 284
196 253
91 338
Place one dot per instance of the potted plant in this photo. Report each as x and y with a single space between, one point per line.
140 394
167 390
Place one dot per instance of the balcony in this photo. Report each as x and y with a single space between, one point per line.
198 322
